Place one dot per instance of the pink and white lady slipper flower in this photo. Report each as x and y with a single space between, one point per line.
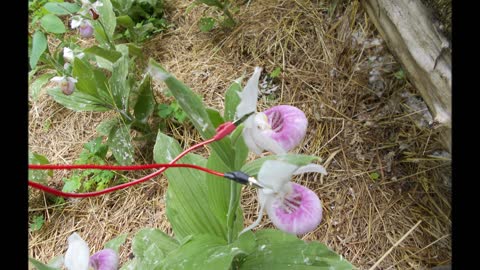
67 84
84 26
292 208
78 256
278 129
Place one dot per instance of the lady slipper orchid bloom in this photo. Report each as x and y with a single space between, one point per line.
78 256
69 55
292 208
278 129
67 84
85 27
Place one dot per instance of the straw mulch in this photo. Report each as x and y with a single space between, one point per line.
387 195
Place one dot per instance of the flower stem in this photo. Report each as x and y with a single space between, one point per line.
232 208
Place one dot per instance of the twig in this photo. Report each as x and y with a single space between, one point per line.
395 245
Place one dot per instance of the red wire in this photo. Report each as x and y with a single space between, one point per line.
120 168
125 185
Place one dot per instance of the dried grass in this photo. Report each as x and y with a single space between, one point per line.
399 221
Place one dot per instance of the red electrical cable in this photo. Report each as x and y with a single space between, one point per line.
125 185
221 131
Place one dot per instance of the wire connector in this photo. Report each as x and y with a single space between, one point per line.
243 178
228 127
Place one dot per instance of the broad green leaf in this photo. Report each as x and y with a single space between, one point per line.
108 19
279 250
188 205
106 125
83 72
104 63
205 252
146 238
118 81
195 110
215 117
232 99
39 176
103 87
52 24
120 143
218 191
40 265
110 55
125 21
239 147
39 45
116 242
252 168
78 101
145 101
61 8
36 86
206 24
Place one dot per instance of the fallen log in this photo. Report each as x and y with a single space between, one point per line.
408 29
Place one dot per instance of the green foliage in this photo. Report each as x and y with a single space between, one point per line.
139 19
39 45
52 24
37 223
400 74
275 73
40 176
224 18
37 85
116 242
188 207
61 8
279 250
94 152
206 24
374 176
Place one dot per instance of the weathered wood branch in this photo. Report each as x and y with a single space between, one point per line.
408 29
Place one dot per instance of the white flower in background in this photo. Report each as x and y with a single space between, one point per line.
292 208
67 84
278 129
78 256
84 25
69 55
87 5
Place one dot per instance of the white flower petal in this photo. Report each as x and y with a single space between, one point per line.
311 168
76 21
264 140
67 54
250 142
78 254
249 95
57 79
97 4
275 174
71 79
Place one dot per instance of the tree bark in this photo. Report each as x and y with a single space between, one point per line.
408 28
